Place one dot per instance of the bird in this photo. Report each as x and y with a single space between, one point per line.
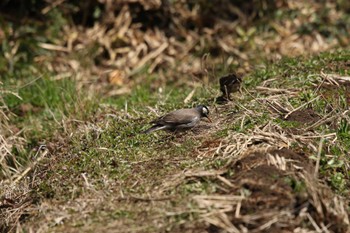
229 84
181 119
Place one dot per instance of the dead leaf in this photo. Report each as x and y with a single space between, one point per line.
117 77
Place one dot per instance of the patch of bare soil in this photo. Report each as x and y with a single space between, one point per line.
304 116
274 190
330 92
338 65
259 190
333 86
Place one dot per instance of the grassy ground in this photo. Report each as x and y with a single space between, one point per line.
275 159
283 140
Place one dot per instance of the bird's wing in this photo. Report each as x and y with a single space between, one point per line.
178 117
228 79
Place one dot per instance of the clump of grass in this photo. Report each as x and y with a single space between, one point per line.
42 109
107 156
5 145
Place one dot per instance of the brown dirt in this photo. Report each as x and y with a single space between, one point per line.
281 193
338 65
258 158
268 189
278 185
332 92
304 116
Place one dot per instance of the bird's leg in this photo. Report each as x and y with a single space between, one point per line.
227 94
177 132
240 90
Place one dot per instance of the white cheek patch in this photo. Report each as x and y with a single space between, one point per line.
205 110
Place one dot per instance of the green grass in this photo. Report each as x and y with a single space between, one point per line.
303 73
96 157
44 93
44 102
121 144
42 109
111 154
108 151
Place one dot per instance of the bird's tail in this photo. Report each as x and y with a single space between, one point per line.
154 128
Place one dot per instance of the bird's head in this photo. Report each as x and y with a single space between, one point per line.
204 111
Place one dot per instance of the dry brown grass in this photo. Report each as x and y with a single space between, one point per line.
127 47
12 196
248 179
264 185
7 138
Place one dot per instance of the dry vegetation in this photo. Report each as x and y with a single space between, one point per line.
79 81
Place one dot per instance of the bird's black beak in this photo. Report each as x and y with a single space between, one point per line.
209 119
